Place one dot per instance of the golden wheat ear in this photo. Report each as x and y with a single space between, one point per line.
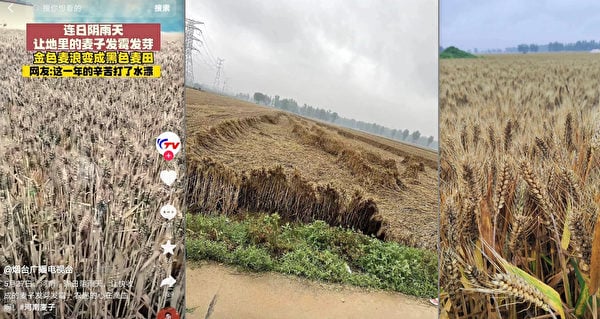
518 283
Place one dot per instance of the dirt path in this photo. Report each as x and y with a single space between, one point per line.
271 295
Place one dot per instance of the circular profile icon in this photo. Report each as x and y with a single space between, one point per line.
168 313
168 145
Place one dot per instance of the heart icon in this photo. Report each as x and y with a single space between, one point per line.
168 211
168 177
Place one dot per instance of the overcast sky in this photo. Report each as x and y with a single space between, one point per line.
374 61
499 24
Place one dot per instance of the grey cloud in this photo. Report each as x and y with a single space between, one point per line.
374 61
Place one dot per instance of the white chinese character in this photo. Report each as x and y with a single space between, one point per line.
111 44
69 8
87 44
123 43
157 8
105 30
117 29
99 43
77 8
147 44
43 269
69 269
69 29
51 44
166 7
60 269
53 8
38 44
61 7
80 29
63 44
75 44
46 7
135 44
16 269
93 29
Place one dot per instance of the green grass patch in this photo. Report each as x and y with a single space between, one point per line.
456 53
315 251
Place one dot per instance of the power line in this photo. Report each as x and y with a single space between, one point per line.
206 46
207 63
207 50
190 38
204 53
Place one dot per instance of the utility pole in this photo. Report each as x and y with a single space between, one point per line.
190 38
218 75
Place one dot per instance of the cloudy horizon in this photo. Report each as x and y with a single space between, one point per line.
497 24
374 62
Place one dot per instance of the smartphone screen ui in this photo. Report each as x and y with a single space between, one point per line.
91 110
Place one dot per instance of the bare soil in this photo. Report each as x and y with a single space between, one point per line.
271 295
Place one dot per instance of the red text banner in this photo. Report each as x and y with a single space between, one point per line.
93 36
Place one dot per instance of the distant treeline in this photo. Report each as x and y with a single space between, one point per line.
556 47
309 111
549 47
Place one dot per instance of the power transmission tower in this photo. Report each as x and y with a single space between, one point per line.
224 84
190 38
219 71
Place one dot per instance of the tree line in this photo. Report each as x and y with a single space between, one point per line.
558 46
555 46
290 105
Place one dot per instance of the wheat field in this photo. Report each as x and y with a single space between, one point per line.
520 186
79 187
243 158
